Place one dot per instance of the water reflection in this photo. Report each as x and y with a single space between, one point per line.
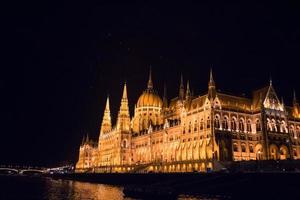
22 187
63 189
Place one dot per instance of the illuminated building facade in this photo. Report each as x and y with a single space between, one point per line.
193 133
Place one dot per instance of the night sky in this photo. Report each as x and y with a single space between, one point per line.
61 60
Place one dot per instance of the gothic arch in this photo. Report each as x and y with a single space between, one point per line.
274 152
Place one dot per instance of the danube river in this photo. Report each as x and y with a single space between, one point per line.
23 187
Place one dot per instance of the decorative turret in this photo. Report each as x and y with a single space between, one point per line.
123 121
211 86
296 107
106 121
181 88
150 83
188 94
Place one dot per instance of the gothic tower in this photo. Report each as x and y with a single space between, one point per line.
123 121
106 121
211 87
181 88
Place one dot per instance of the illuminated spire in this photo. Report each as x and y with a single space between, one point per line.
211 86
181 88
123 121
294 98
124 96
188 91
150 83
211 79
271 82
106 121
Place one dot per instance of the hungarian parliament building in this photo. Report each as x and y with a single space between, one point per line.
193 133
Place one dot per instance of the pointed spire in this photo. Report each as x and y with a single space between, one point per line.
124 96
211 78
106 120
188 91
181 88
87 138
294 97
150 83
271 82
282 102
123 120
211 86
83 140
107 103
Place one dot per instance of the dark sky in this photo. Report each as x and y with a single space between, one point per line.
61 61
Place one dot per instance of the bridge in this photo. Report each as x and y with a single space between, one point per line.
22 170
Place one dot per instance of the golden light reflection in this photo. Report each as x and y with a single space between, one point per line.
75 190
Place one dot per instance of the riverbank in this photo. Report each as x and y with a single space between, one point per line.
235 185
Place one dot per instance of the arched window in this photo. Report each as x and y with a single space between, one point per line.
190 127
274 128
201 124
243 147
278 126
208 123
124 143
251 148
249 129
235 147
258 127
241 125
217 121
233 124
269 125
196 126
225 123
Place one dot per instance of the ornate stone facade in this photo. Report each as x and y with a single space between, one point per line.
193 133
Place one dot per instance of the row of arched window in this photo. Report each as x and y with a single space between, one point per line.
276 126
235 124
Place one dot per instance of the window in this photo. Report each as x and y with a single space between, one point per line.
241 125
251 149
258 127
201 124
233 124
217 121
249 129
235 147
243 147
195 126
208 123
225 123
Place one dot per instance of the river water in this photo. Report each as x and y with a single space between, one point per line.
31 188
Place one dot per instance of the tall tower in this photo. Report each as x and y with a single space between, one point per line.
188 94
181 88
296 108
123 121
106 121
211 86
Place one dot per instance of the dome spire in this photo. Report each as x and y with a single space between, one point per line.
150 83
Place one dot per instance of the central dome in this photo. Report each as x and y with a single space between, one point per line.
149 98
